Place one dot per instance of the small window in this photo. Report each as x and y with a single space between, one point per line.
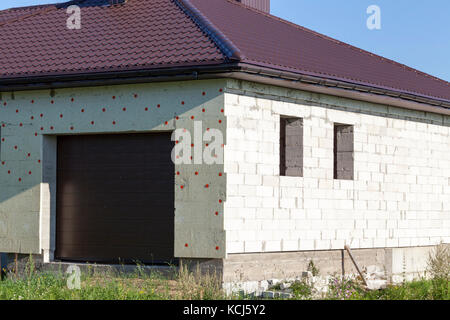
291 147
343 152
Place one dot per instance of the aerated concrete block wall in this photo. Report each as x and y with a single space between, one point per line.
400 195
30 121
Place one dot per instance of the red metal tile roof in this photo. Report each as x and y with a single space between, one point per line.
268 41
138 34
153 34
16 13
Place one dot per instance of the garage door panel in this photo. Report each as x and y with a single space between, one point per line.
103 255
109 230
70 195
115 198
117 159
137 202
120 211
118 184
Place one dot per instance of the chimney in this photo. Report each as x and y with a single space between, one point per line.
261 5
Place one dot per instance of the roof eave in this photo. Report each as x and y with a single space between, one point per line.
234 70
114 77
344 93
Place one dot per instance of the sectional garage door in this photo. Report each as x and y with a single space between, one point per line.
115 198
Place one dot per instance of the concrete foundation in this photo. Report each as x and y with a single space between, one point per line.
256 272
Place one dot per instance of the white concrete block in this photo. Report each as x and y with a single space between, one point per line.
398 198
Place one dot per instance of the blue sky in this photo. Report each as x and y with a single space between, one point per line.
413 32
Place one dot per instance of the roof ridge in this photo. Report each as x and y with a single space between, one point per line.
228 48
338 41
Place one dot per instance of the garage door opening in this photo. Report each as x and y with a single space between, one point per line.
115 199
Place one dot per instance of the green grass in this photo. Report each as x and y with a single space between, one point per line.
186 285
54 287
132 287
103 286
302 290
415 290
431 289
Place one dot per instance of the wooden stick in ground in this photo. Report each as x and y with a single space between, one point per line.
356 265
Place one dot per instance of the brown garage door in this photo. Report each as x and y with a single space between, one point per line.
115 198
